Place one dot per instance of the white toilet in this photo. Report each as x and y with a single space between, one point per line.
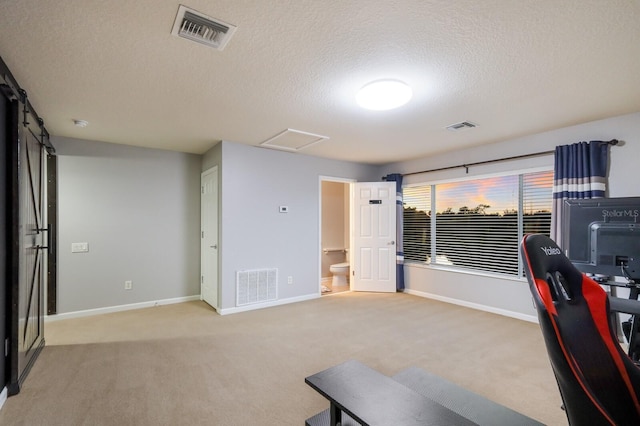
340 273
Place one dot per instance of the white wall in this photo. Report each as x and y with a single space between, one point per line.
139 210
511 296
213 157
253 234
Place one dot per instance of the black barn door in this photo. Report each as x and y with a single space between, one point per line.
23 232
32 251
30 244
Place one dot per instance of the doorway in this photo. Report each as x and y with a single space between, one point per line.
335 234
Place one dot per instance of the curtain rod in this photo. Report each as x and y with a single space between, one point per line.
477 163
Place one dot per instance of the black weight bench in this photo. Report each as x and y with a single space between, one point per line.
359 395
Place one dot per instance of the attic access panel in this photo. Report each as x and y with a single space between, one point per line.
293 140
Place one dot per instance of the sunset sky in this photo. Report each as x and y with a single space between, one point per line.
500 193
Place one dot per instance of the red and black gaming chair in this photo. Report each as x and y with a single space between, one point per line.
599 383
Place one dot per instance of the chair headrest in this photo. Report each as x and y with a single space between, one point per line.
547 263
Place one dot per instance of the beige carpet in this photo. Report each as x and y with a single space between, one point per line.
185 365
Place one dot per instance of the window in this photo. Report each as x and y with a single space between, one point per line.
478 224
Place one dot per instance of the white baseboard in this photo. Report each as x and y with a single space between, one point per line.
504 312
3 397
226 311
120 308
270 304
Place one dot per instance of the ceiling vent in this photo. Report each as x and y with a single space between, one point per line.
201 28
461 126
293 140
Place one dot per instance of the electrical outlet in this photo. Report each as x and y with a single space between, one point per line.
289 279
128 285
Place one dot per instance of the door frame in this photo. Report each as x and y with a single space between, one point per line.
349 181
6 208
51 209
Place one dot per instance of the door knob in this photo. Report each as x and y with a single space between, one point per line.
391 243
215 246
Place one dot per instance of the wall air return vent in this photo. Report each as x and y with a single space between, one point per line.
201 28
461 126
256 286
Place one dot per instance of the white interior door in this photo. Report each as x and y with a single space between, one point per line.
209 237
374 235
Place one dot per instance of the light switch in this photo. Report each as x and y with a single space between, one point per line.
284 209
79 247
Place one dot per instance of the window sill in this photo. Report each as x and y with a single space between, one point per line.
465 271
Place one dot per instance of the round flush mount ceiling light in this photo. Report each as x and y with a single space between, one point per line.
80 123
383 95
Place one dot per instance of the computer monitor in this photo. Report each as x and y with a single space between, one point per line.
602 236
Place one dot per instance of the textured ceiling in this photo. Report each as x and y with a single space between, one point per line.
514 67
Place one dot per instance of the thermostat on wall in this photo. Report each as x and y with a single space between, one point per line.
284 209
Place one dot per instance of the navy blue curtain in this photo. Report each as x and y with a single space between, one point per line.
397 178
580 172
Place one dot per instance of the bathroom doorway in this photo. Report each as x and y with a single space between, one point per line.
335 234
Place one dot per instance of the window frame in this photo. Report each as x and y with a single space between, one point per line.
519 276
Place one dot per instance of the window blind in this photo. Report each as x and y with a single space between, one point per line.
478 223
